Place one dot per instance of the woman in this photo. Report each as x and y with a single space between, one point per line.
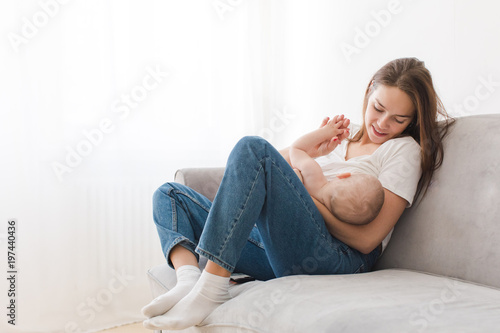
264 223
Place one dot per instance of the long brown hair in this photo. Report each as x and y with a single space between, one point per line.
411 76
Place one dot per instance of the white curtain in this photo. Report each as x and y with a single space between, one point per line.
101 102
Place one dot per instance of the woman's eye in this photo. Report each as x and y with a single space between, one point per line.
378 110
399 122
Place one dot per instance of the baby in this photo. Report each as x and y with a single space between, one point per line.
351 198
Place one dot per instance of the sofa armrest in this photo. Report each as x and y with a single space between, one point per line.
203 180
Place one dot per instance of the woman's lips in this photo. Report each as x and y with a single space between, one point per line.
379 134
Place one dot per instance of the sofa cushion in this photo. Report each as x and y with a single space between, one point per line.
390 300
455 230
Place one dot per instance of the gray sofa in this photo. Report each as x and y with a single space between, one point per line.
439 273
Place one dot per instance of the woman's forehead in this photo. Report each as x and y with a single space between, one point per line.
393 100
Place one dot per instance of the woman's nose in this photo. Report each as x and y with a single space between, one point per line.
382 122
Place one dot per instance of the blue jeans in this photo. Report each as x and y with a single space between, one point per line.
262 221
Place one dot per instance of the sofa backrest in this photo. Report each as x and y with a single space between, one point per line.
203 180
455 230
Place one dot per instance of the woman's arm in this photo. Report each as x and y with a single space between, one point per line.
365 238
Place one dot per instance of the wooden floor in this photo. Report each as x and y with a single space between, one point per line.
132 328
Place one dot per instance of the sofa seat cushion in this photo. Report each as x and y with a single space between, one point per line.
391 300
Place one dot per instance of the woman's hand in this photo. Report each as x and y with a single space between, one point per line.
327 146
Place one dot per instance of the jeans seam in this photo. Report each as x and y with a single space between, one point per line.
178 241
192 199
235 221
259 244
174 214
214 258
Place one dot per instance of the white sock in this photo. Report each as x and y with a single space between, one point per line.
209 292
187 276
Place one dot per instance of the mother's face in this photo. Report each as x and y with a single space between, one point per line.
389 111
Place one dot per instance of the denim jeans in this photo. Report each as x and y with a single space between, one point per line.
262 221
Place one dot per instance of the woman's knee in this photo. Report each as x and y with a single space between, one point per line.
252 141
164 192
252 144
160 195
175 193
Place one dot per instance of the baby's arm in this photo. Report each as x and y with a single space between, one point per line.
312 174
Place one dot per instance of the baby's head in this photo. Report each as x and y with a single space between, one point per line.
356 199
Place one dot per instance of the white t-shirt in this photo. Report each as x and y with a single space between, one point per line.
396 164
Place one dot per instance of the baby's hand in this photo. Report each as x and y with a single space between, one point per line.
344 126
339 130
336 131
340 122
